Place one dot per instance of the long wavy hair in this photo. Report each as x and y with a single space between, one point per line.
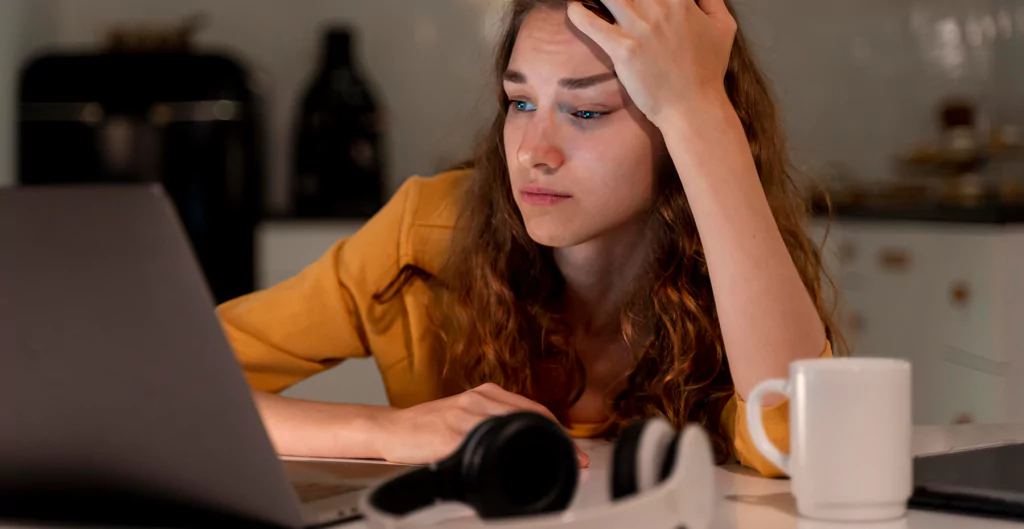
503 298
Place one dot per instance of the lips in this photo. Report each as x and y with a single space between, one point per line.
541 196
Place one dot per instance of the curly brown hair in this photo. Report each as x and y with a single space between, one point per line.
503 301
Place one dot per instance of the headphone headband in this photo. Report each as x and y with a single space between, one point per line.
687 497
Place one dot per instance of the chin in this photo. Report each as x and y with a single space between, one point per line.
553 234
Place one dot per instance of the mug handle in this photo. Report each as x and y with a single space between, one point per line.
756 425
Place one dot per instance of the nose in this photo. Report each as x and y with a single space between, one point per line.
539 148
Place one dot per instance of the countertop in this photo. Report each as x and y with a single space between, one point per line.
748 501
982 214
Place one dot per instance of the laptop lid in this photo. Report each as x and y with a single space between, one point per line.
120 399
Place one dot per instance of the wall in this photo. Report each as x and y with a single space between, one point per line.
13 14
857 81
860 81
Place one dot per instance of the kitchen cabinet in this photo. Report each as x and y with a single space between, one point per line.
948 297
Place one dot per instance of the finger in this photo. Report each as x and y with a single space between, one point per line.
496 408
604 34
463 421
468 420
652 9
712 7
519 402
514 402
583 458
625 13
489 406
493 401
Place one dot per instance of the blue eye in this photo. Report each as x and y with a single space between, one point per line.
587 114
522 106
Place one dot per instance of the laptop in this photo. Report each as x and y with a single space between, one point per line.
120 398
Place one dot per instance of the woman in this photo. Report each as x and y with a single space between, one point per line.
626 243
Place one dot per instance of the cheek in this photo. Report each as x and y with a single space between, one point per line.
511 135
622 166
624 194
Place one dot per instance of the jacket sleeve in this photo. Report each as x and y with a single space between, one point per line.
776 426
318 318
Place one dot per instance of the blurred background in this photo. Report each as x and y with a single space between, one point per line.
279 127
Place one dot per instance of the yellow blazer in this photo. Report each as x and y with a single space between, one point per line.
325 314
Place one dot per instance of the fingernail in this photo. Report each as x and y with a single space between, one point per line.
584 460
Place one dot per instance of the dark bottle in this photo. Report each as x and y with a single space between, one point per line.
338 161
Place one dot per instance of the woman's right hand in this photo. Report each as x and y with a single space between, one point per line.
431 431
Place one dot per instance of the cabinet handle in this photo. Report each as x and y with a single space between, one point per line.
847 252
963 417
856 322
895 259
961 294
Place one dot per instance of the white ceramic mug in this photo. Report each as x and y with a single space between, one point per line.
849 423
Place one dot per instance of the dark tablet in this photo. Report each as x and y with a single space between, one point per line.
985 482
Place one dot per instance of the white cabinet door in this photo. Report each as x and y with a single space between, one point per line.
1009 292
970 355
889 268
926 292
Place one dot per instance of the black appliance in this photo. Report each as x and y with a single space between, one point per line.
187 120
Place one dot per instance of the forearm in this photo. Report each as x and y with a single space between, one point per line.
768 318
320 429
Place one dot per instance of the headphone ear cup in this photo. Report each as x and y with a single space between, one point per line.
522 464
512 465
641 456
624 461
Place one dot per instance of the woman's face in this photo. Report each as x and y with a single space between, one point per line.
581 156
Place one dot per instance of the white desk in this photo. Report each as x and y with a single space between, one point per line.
749 501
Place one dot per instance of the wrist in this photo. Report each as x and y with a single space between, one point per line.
701 127
708 145
698 110
374 430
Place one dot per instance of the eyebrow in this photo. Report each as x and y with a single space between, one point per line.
569 83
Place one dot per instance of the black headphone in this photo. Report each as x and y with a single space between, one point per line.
525 465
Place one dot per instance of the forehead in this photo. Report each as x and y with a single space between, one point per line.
549 45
